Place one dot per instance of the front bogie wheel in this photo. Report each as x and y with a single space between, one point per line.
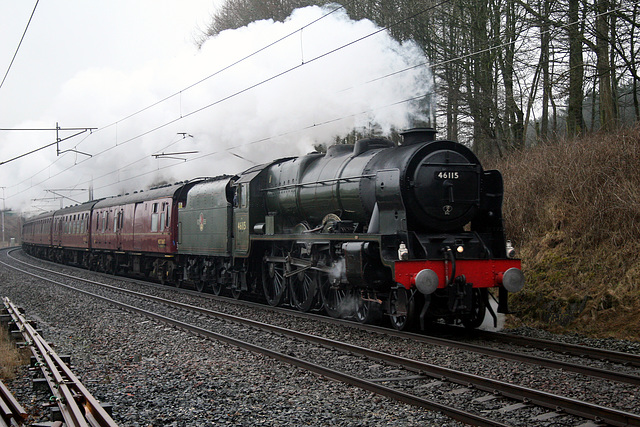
200 285
478 309
236 293
402 312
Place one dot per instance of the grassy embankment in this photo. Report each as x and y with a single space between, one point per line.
10 356
572 208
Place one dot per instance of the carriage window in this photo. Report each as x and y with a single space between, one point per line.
105 220
165 207
115 222
154 222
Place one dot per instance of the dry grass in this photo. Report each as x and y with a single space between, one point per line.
573 208
10 356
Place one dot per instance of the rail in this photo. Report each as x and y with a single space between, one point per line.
11 412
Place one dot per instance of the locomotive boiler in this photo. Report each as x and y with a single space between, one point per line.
410 232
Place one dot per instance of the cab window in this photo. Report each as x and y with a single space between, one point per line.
241 196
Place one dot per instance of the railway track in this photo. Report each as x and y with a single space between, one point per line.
377 371
631 376
571 349
77 406
459 338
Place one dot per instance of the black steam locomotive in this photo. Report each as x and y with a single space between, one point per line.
411 232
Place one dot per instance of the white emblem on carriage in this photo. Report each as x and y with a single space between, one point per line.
447 209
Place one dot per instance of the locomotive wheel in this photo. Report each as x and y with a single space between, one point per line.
274 283
402 312
333 297
333 300
303 288
478 309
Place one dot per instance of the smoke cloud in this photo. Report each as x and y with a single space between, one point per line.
277 103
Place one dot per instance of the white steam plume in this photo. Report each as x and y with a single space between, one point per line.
271 120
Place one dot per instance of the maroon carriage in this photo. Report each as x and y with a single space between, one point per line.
70 235
137 231
36 234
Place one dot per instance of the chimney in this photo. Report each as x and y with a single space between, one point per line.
418 135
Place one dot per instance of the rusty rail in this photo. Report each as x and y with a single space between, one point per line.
77 406
11 412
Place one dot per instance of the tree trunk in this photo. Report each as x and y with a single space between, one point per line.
513 114
607 106
545 38
575 121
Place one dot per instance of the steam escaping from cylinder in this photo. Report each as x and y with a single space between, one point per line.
338 273
351 300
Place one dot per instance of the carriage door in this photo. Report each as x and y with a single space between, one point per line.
241 220
138 226
117 226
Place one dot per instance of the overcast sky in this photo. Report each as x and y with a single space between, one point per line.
68 36
94 63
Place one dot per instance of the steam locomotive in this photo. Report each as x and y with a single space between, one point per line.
410 232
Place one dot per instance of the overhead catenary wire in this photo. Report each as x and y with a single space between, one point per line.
19 44
82 130
303 63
